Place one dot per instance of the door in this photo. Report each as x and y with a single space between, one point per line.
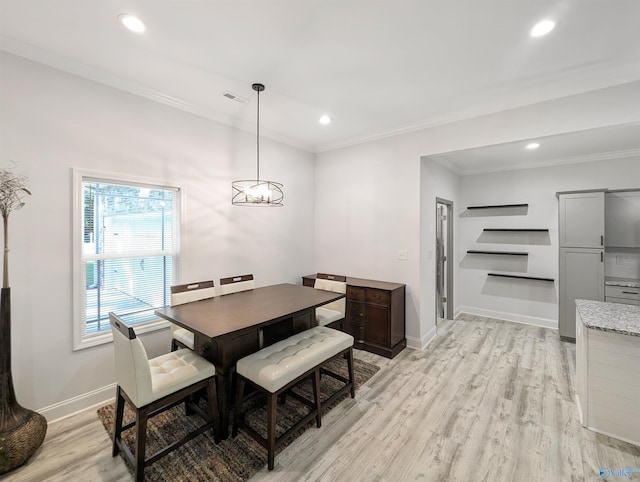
581 277
444 271
377 325
581 220
622 219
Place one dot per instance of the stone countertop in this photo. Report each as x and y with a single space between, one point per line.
612 317
624 282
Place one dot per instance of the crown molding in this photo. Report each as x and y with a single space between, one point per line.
447 165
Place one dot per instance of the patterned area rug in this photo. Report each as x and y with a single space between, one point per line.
233 459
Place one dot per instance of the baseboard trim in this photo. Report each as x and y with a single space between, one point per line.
413 343
422 342
514 317
457 312
70 407
579 406
618 437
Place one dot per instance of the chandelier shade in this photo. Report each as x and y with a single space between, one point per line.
257 192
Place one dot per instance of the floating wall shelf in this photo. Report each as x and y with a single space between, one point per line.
499 206
505 253
516 230
551 280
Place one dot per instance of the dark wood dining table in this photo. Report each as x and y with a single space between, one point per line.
232 326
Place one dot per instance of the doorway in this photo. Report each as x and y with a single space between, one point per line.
444 260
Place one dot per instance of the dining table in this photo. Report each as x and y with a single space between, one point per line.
229 327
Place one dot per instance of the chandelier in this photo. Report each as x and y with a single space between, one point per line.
257 192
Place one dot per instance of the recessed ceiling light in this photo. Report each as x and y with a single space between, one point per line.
532 146
324 120
132 22
542 28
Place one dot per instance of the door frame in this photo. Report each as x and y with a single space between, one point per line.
449 264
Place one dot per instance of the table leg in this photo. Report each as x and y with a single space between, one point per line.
224 398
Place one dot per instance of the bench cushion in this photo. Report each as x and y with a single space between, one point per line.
275 366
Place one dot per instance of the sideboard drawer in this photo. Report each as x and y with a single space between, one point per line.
355 293
355 310
378 296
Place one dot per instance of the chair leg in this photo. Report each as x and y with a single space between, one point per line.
316 396
213 408
117 429
141 441
351 375
272 406
238 405
193 398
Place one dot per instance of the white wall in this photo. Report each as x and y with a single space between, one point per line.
366 200
51 122
527 301
369 195
436 181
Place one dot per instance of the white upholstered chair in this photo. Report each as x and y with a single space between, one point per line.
233 284
151 386
332 314
180 294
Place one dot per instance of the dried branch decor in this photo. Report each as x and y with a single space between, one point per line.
13 189
21 430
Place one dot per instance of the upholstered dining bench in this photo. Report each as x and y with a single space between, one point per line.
276 369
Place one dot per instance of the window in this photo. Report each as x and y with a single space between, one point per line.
126 247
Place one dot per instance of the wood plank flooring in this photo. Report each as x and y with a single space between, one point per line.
488 400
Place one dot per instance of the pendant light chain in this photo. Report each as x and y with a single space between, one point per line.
258 138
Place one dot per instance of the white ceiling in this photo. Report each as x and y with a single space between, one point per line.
377 67
580 146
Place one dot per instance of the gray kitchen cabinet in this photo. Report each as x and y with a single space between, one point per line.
581 219
622 301
581 239
622 219
581 277
622 294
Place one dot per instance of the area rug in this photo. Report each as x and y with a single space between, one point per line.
233 459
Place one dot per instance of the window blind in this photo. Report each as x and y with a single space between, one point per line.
128 251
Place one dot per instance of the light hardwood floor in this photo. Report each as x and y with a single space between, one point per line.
487 400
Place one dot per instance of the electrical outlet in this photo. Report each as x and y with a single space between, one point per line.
402 254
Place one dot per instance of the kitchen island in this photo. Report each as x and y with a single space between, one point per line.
608 368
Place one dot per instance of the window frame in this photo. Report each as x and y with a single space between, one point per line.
81 339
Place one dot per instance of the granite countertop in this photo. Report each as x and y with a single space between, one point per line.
612 317
624 282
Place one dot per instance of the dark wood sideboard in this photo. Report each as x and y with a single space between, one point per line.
375 314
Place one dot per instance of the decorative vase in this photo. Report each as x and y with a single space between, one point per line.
21 430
